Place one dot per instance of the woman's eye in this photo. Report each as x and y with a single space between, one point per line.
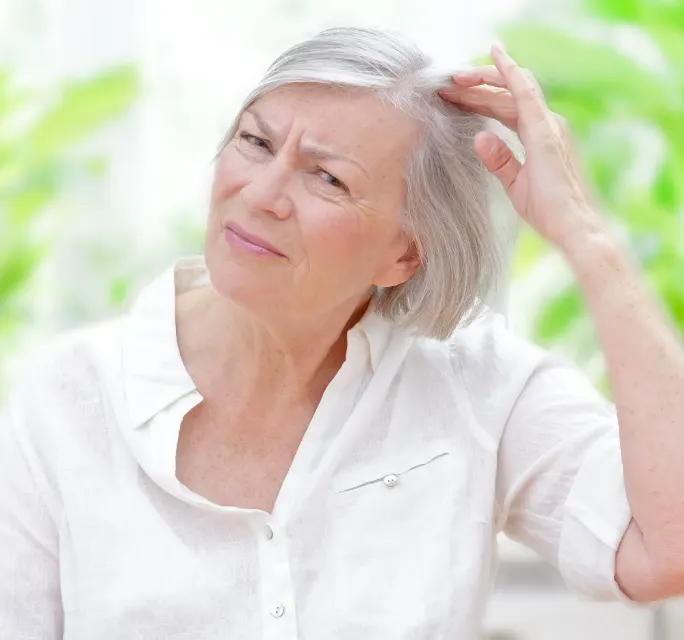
332 180
254 141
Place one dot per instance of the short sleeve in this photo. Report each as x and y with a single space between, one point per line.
30 600
560 480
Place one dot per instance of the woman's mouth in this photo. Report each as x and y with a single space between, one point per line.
241 239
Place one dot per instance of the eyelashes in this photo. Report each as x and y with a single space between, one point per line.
334 182
254 140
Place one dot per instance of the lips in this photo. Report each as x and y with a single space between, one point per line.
253 239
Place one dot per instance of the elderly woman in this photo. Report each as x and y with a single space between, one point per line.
317 429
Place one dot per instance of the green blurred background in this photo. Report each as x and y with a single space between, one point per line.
613 68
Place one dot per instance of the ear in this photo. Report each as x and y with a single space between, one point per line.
401 270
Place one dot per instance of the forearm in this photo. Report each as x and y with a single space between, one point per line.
645 363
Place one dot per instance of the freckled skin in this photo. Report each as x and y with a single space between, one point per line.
265 340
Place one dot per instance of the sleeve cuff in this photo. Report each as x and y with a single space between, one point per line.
596 518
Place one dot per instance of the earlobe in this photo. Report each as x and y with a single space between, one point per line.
411 256
410 261
401 270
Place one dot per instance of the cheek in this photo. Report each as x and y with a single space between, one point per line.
230 175
333 236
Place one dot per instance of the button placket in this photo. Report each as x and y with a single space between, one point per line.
277 589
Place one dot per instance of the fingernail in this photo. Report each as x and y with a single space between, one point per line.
498 46
492 145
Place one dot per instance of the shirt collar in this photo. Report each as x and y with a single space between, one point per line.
154 374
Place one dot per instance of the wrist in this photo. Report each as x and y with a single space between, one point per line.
585 227
589 247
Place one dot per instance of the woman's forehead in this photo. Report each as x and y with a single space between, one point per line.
340 119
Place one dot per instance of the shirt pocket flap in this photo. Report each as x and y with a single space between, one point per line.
388 468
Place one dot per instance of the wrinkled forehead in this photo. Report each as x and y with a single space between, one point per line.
348 121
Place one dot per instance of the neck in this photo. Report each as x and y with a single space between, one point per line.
232 350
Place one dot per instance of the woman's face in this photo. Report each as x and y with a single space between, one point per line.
304 214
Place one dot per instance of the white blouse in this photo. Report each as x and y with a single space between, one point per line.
419 453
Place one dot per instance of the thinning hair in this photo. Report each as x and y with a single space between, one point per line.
446 213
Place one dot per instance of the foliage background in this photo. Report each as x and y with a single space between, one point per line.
615 70
91 205
38 167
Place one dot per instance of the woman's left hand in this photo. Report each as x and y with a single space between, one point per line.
547 189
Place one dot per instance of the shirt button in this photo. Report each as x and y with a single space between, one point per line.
268 532
277 611
390 480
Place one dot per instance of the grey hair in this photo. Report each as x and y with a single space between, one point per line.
447 206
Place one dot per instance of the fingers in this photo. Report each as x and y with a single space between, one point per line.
519 85
497 157
523 86
480 75
504 92
486 101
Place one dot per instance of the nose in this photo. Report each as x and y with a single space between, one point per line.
266 192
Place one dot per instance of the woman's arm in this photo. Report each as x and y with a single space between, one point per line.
646 368
645 360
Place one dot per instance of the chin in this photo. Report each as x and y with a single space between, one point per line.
244 282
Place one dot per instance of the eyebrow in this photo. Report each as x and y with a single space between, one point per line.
307 150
